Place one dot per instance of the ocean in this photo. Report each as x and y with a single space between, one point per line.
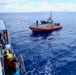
51 53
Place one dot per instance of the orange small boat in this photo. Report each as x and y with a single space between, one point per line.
48 28
46 25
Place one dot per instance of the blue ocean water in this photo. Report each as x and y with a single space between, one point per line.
44 54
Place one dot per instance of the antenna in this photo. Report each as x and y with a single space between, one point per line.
51 15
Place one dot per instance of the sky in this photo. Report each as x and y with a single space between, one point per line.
37 5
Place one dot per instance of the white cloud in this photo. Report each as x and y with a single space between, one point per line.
65 7
45 6
15 6
25 6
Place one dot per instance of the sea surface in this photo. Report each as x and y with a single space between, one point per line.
51 53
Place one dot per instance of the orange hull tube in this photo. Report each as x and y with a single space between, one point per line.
34 28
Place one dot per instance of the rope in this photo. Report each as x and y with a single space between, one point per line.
24 53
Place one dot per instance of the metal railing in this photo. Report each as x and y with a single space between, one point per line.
2 72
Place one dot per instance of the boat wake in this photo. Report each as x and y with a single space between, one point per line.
42 68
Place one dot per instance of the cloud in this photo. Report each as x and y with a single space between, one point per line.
65 7
45 6
34 6
15 6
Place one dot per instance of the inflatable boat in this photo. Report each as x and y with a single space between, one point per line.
45 25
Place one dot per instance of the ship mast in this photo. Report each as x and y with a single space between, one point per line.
51 15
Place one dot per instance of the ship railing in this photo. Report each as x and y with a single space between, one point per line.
2 71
